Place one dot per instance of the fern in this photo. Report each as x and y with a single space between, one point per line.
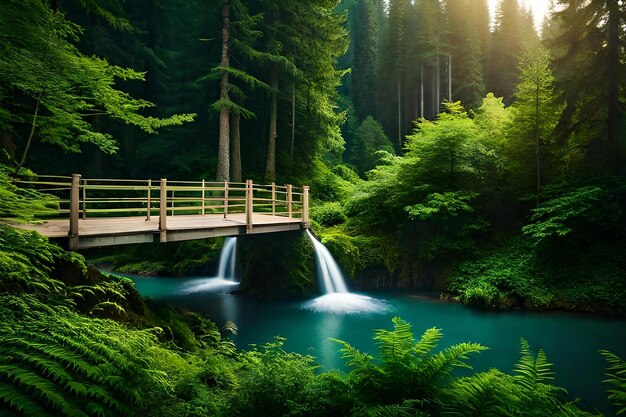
531 370
442 363
14 398
395 345
487 394
616 373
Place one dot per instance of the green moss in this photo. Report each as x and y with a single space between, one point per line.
277 265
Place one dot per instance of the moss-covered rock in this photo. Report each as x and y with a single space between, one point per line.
277 265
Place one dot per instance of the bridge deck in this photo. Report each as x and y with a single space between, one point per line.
106 231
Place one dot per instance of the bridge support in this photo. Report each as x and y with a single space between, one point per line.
249 205
163 211
305 207
74 209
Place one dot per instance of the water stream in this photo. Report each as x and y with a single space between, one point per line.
335 296
571 341
225 279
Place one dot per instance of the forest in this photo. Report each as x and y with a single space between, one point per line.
451 146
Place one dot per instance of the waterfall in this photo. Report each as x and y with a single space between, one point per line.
226 266
225 280
336 298
332 278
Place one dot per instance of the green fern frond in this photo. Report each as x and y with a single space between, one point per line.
428 341
353 357
442 363
391 410
13 398
616 373
109 308
487 394
396 344
530 370
39 387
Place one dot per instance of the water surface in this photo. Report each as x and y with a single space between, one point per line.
571 341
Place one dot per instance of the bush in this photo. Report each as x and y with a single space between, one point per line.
328 214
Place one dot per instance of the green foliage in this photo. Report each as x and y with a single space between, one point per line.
264 274
571 216
77 367
425 202
370 145
357 253
328 214
408 369
616 372
175 258
47 84
23 204
273 382
327 185
446 206
517 274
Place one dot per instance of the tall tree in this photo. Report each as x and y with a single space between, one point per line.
536 115
467 53
590 52
223 153
506 49
364 76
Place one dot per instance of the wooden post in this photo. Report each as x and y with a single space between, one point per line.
289 200
84 198
305 206
249 204
74 208
148 202
225 198
163 211
273 199
202 197
172 202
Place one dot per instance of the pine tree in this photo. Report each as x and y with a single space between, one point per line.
506 49
590 49
364 77
536 115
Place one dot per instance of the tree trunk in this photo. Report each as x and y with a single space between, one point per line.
537 144
293 120
270 163
223 153
30 136
450 78
399 117
422 90
235 148
438 84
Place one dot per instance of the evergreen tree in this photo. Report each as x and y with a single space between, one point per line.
506 48
590 49
536 115
467 55
364 76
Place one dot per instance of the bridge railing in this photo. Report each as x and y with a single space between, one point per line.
87 198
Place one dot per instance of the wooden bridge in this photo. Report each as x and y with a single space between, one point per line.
105 212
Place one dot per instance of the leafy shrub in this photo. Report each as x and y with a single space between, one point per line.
520 274
275 383
579 216
328 214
